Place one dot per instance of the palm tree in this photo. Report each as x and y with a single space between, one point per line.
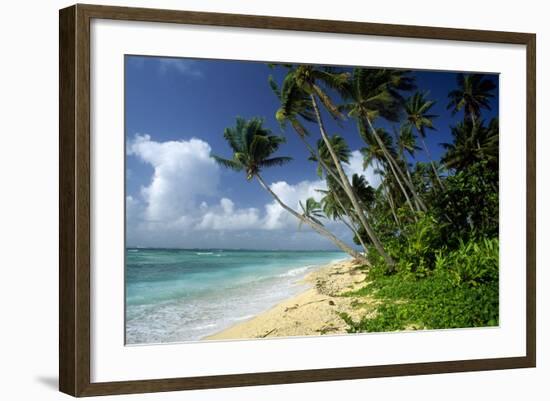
374 94
472 95
406 142
311 210
334 210
375 152
324 159
253 147
418 108
307 79
384 183
336 192
472 143
364 191
295 104
334 201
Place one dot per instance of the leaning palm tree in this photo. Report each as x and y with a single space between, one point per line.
253 147
472 95
336 192
377 94
295 106
379 154
386 192
406 142
418 109
309 81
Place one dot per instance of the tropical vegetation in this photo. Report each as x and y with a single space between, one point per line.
427 235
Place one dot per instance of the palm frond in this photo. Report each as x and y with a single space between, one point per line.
228 163
275 161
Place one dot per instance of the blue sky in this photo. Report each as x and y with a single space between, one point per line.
176 111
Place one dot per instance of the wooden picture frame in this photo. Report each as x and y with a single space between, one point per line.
74 200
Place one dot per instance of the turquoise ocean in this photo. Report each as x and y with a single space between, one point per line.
176 295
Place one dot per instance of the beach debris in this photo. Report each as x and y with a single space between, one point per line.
268 333
289 308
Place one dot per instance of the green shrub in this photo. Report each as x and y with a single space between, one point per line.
460 291
473 263
414 247
416 253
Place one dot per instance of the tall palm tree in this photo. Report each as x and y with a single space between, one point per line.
386 192
295 104
377 93
308 80
418 108
336 193
472 95
406 142
375 152
253 147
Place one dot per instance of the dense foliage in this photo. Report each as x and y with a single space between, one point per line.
461 290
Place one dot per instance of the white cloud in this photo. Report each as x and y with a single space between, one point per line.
276 217
182 66
183 204
226 217
183 172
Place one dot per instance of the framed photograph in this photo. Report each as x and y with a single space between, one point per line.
250 200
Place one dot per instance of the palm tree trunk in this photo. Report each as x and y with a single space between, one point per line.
356 233
411 181
392 160
336 178
392 207
350 223
320 229
431 161
402 189
349 191
406 165
385 189
326 168
321 161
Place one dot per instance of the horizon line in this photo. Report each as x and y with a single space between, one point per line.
232 249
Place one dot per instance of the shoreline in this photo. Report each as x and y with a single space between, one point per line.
314 311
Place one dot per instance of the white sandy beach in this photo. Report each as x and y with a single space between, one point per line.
312 312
